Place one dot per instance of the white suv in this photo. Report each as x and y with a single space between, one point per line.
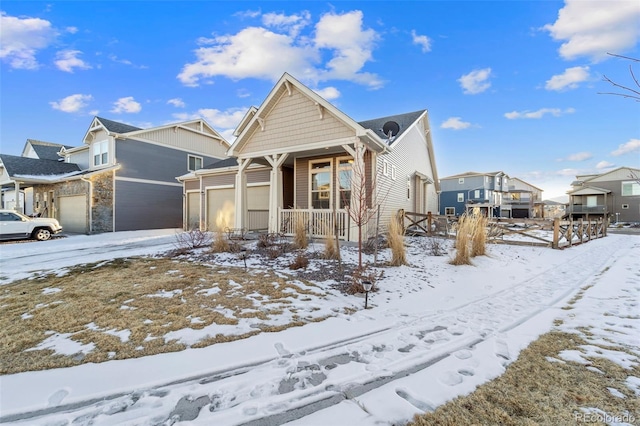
14 225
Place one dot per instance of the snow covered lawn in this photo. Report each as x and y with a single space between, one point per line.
435 331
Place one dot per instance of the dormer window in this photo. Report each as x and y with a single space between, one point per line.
100 153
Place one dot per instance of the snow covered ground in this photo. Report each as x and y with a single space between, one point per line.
434 331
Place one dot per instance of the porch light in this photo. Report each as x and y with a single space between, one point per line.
367 286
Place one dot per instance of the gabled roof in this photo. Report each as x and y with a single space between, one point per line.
469 174
115 127
227 162
589 190
526 183
44 150
404 121
24 166
285 83
587 178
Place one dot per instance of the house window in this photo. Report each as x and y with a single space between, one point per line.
460 181
195 163
385 167
100 153
461 197
630 188
345 170
450 211
592 200
393 172
625 206
498 181
408 187
320 178
515 196
476 194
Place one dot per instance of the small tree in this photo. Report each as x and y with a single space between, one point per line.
628 92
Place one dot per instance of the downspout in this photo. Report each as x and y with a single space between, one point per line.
90 203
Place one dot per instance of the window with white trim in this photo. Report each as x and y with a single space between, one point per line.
461 197
385 167
450 211
393 172
320 188
100 153
476 194
194 163
345 171
630 188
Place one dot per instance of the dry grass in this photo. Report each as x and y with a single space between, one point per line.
147 297
471 237
536 391
331 249
300 238
396 243
220 243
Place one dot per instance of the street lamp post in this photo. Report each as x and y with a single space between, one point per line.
367 286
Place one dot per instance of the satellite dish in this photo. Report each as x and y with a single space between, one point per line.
391 129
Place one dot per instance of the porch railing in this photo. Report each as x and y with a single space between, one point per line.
318 223
580 208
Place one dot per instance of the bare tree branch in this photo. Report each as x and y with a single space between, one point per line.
632 93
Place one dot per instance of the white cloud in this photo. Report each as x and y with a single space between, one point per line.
22 38
67 60
593 28
228 119
476 81
421 40
176 102
556 112
292 24
604 165
114 58
127 104
258 52
580 156
71 30
329 93
455 123
632 146
568 172
72 103
569 79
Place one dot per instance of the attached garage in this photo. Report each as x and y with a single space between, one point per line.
72 213
220 208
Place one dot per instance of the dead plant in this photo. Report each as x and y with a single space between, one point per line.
220 243
396 243
331 250
301 261
479 235
300 238
363 274
191 239
463 230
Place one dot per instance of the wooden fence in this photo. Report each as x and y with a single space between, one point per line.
554 233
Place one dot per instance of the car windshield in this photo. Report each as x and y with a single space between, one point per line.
22 216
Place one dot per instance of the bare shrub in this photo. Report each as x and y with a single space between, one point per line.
479 235
191 239
436 247
471 237
220 243
301 261
300 238
273 252
266 240
462 241
396 243
363 274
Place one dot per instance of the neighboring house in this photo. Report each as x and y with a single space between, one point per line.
614 195
32 149
298 156
553 209
122 177
494 193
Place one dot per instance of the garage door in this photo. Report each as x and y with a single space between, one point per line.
258 208
72 213
193 210
220 208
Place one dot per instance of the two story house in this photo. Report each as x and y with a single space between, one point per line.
121 178
613 195
494 193
297 155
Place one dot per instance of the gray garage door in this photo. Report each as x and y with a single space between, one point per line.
220 208
72 213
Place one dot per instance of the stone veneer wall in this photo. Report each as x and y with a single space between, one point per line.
102 212
74 187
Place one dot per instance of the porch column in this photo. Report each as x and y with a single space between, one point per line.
275 189
241 193
17 207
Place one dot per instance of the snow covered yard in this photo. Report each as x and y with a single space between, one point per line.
435 332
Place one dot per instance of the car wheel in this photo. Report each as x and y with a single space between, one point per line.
42 234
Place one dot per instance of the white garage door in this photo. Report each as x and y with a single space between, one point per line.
220 208
193 210
72 213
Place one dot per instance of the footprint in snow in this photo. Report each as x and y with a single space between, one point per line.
281 350
502 350
57 397
450 378
463 354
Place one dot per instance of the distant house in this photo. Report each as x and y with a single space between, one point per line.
613 195
121 178
494 193
296 156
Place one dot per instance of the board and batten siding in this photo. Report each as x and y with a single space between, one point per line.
192 185
295 121
186 140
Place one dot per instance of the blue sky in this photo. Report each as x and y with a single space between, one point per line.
511 86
